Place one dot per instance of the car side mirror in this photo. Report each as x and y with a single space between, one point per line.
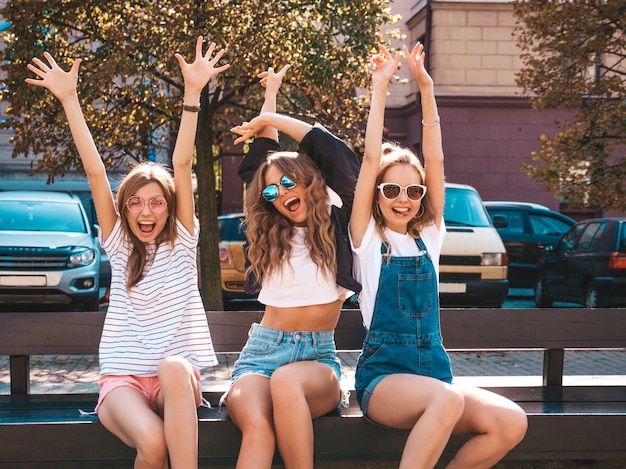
499 221
95 228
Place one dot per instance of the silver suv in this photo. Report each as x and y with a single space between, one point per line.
49 253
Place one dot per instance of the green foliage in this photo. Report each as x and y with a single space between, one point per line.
131 86
574 56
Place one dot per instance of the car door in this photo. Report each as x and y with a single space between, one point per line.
579 263
545 230
556 261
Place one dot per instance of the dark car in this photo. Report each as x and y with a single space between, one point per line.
526 230
587 266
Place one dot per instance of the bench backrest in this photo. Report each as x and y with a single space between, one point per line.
25 334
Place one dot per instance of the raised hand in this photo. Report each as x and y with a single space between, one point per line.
272 80
198 73
249 129
384 65
60 83
415 60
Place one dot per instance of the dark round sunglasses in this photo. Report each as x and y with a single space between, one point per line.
271 192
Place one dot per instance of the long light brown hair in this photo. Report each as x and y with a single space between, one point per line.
270 233
138 177
393 155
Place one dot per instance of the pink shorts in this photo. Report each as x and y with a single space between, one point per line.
149 386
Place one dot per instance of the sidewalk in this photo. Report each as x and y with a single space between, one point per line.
79 374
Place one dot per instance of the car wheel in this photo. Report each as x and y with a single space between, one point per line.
541 296
591 297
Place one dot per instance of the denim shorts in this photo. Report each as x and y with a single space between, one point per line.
268 349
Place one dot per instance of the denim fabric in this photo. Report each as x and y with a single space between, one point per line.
405 334
268 348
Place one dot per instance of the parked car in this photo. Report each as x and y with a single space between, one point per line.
587 266
472 264
49 252
232 259
80 188
526 229
473 260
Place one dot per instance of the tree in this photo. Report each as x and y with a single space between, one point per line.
574 56
131 87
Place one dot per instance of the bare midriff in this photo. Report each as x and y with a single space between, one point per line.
322 317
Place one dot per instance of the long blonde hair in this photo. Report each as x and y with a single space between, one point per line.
393 155
138 177
270 233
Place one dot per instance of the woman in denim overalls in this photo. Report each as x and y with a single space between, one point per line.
403 377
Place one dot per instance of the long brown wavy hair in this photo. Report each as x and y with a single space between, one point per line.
394 154
270 233
138 177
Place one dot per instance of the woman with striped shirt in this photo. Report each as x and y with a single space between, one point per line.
155 338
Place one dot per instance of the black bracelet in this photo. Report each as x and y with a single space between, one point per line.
188 107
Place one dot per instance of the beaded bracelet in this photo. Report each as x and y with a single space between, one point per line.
190 108
437 121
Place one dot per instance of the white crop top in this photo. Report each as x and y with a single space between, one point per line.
302 283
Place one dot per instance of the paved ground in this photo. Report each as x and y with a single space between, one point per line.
75 374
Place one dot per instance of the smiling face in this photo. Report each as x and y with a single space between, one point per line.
398 212
290 202
146 224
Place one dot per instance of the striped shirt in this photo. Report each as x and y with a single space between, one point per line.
161 316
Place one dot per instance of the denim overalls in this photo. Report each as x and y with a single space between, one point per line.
404 336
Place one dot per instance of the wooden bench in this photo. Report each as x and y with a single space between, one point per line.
567 423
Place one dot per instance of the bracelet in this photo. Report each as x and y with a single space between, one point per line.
437 121
189 108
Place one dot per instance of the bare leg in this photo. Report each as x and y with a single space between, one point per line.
250 408
125 413
499 425
178 403
301 391
429 407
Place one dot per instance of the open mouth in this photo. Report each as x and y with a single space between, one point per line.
292 204
146 227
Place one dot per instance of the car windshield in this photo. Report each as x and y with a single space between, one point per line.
464 208
29 215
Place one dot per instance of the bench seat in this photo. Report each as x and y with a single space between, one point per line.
564 423
567 424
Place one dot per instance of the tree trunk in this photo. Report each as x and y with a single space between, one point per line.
210 277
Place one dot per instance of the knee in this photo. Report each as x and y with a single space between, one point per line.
284 386
258 430
174 372
449 404
151 447
514 427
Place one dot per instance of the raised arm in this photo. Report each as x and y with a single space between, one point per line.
383 66
63 85
271 81
432 147
293 127
196 75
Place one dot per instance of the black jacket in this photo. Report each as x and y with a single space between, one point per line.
340 167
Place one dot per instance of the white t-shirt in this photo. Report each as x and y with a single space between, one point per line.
368 259
301 282
161 316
